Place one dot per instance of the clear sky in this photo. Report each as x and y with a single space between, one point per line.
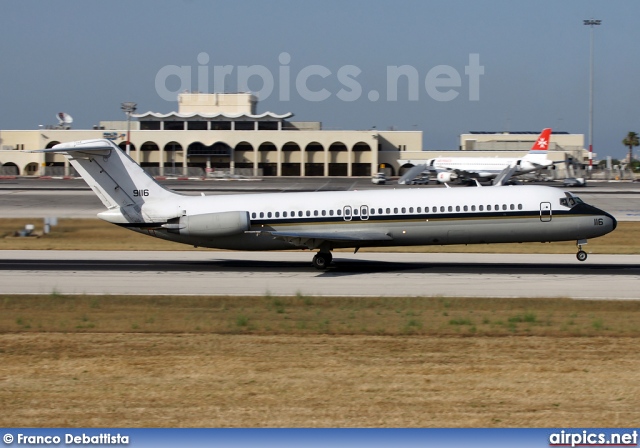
332 61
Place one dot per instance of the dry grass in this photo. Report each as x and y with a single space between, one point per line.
310 362
80 234
94 234
168 380
305 315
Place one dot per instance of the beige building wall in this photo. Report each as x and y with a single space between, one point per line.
335 147
216 103
394 149
498 141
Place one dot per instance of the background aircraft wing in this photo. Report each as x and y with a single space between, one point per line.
413 173
505 175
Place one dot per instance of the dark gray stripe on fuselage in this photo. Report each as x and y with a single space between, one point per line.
450 216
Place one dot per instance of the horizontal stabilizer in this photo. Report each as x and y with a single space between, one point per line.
120 183
83 145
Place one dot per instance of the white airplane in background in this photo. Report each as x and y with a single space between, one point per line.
324 221
449 169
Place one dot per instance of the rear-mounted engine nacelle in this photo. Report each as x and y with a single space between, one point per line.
210 224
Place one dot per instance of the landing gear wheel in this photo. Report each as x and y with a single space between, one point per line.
581 255
321 260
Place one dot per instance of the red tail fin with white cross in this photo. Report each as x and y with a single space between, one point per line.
542 142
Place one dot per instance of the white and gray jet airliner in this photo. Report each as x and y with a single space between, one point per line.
324 221
449 169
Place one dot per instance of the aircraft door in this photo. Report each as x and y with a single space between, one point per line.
346 213
545 211
364 212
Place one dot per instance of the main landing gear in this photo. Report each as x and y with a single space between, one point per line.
581 255
322 260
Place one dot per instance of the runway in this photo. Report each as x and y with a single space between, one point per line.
290 273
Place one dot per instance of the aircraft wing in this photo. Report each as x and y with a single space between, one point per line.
313 239
413 173
505 175
542 165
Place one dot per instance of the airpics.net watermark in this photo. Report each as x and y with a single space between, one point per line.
440 83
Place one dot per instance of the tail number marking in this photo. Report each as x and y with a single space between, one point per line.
598 221
140 193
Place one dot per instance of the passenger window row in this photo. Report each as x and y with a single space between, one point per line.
387 211
299 214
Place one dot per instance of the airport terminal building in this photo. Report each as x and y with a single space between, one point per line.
212 133
219 134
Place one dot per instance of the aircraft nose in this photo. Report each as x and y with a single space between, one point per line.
594 211
614 222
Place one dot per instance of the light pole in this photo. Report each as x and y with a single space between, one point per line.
591 23
128 109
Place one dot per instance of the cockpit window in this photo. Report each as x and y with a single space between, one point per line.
570 200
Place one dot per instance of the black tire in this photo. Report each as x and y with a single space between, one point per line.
581 255
321 261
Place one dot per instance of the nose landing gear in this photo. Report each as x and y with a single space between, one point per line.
581 255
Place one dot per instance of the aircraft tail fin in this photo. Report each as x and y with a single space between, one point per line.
542 142
539 149
116 179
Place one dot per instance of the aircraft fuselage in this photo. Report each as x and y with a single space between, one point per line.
408 217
